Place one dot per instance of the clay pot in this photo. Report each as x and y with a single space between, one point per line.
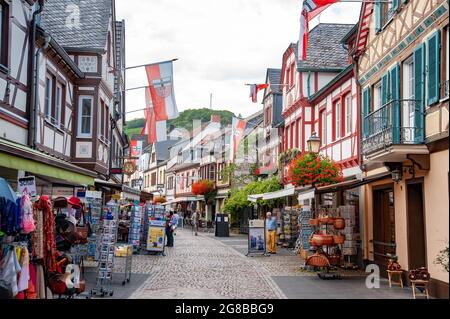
339 223
330 221
323 220
314 222
338 239
321 240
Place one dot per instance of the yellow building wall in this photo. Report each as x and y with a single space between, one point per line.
401 223
437 211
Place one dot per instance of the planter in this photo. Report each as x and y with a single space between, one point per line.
338 239
339 223
318 260
321 240
314 222
335 260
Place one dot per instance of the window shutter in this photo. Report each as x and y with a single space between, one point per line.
433 69
419 92
365 111
395 110
385 98
395 4
377 11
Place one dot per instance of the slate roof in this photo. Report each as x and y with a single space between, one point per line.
274 77
162 149
325 49
94 23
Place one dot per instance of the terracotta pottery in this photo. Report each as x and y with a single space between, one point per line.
322 240
318 260
314 222
339 223
335 260
330 221
338 239
323 220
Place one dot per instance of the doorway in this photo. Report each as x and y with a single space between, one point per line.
383 227
417 256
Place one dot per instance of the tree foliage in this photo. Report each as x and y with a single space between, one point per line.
239 197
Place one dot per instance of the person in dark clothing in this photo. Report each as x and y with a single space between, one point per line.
169 231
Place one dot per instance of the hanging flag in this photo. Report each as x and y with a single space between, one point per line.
237 133
160 81
155 130
310 10
254 89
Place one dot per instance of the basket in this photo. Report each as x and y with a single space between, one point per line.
335 260
318 260
321 240
339 223
338 239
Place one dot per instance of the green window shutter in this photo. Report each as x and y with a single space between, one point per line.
385 98
433 58
366 111
419 92
396 104
395 4
377 11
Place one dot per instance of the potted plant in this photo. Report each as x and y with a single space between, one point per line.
442 258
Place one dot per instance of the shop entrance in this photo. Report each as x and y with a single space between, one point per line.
383 227
416 226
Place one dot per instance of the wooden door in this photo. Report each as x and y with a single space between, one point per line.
383 227
416 226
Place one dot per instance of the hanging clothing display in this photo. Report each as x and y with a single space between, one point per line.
49 247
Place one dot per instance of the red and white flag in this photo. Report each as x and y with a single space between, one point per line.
155 130
160 81
254 89
310 10
237 133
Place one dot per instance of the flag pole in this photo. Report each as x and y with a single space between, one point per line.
148 64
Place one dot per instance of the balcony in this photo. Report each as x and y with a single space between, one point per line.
394 131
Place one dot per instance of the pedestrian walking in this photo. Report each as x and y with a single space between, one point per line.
271 227
195 218
169 231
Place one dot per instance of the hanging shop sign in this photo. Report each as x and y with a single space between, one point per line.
116 196
93 194
27 185
256 237
129 168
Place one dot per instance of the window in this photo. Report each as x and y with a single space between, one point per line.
348 113
58 105
48 96
377 96
298 134
323 127
85 116
212 172
291 138
153 179
337 120
4 31
384 11
153 157
433 78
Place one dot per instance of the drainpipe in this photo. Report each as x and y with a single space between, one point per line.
33 77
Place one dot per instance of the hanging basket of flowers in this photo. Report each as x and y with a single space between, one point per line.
313 169
203 187
159 200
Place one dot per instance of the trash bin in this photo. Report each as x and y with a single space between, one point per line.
222 226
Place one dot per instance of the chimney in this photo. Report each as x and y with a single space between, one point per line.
215 118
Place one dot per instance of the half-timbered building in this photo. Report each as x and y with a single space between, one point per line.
402 54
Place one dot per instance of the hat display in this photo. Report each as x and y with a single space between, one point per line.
60 202
72 219
74 201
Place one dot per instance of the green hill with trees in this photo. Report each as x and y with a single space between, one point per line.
184 120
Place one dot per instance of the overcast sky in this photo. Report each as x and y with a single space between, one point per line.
221 45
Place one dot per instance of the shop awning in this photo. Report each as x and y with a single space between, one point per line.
306 193
279 194
254 198
186 199
351 183
108 184
38 163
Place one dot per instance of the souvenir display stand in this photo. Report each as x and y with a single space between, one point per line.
93 202
303 245
125 253
153 239
106 241
289 226
134 235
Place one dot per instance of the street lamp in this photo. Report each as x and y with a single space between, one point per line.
313 143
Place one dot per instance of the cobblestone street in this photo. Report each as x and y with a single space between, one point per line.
207 267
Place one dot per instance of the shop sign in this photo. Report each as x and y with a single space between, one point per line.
27 185
256 236
62 192
93 194
116 196
129 168
257 223
116 171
